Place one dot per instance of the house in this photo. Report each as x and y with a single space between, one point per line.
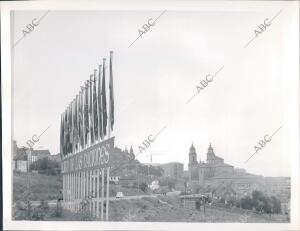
56 157
21 156
39 154
19 162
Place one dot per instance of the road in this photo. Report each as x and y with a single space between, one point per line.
53 203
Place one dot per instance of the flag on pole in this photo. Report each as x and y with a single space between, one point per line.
62 135
71 128
111 94
80 115
100 129
77 116
68 129
104 109
76 123
95 110
65 132
86 114
91 110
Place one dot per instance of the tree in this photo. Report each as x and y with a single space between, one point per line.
144 187
261 203
46 166
246 203
276 206
167 181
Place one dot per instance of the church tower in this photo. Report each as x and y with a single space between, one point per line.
210 156
193 164
192 156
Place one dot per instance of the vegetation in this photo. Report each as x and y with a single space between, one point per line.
42 187
46 166
167 181
261 203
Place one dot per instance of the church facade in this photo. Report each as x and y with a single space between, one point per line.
201 171
224 180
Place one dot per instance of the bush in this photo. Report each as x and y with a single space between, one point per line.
58 211
41 211
276 206
144 187
247 203
22 210
167 181
46 166
261 203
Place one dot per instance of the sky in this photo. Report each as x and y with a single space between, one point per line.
155 77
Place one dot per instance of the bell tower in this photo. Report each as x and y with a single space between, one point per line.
192 155
193 164
210 156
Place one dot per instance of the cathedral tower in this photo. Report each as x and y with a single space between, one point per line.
210 156
193 164
192 156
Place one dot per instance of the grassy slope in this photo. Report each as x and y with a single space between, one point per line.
42 187
167 209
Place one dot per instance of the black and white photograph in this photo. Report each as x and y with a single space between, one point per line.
150 115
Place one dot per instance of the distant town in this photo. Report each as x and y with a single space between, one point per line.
210 183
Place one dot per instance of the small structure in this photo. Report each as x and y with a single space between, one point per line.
196 199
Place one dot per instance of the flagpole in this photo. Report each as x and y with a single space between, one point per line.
109 134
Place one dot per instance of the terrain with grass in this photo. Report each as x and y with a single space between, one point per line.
42 187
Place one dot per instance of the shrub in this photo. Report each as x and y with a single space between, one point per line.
144 187
46 166
58 211
261 203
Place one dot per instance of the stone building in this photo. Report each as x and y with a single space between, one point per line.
173 169
200 171
220 177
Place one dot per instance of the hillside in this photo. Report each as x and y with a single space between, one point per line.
42 187
167 209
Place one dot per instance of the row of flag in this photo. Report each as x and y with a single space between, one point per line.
85 121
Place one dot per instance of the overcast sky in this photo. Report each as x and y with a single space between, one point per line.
155 77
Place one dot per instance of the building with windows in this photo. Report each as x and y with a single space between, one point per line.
221 178
200 171
39 154
23 154
173 169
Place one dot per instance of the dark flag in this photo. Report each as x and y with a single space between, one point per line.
62 135
91 110
71 127
100 129
68 142
76 122
111 94
65 146
95 109
103 94
80 119
86 114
